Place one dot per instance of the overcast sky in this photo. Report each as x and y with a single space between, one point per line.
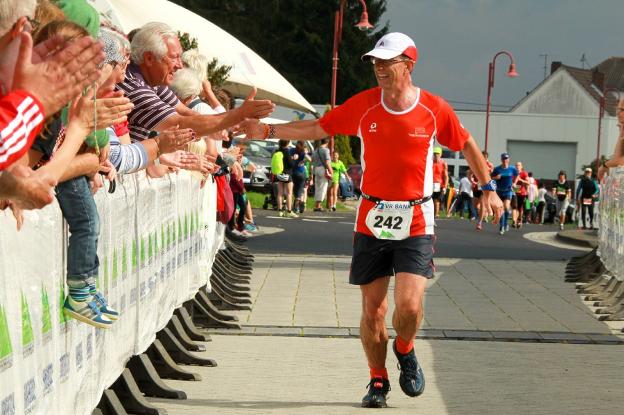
457 38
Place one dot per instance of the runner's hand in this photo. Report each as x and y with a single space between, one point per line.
492 203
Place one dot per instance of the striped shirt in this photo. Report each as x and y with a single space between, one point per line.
127 158
21 119
152 105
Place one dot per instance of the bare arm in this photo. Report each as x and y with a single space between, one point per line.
86 164
296 130
476 161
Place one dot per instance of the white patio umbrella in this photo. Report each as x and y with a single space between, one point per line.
248 69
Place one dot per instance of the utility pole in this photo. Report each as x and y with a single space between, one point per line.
545 56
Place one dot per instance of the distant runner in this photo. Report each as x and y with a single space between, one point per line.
505 176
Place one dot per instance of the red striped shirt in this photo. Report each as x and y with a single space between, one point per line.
21 119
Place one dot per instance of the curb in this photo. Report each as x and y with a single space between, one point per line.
564 236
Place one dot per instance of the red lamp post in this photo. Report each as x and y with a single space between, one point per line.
511 72
362 25
601 110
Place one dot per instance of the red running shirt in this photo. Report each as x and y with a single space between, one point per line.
397 148
438 171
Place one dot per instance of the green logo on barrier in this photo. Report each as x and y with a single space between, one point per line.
134 254
27 332
115 265
46 318
124 260
62 318
162 236
150 247
155 236
186 227
5 339
105 274
142 253
179 228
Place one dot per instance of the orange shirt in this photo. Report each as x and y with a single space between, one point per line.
397 148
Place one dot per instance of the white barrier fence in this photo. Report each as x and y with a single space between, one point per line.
611 231
156 246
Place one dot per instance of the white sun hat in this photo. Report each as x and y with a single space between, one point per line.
392 45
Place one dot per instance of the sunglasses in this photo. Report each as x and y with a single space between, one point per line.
388 62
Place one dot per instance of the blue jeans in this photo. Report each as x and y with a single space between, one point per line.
79 209
346 190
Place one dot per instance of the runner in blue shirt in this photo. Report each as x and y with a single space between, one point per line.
505 176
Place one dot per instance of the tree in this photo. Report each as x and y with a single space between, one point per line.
296 38
217 74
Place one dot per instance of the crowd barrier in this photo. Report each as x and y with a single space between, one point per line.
156 247
599 274
611 230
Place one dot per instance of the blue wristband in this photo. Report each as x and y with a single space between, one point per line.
491 186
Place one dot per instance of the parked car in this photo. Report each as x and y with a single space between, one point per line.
355 173
259 155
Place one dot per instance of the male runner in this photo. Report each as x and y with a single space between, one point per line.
440 179
506 177
397 123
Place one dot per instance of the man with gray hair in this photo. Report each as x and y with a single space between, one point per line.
155 54
35 83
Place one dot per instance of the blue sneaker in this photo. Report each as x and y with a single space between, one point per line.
87 312
251 227
412 378
105 309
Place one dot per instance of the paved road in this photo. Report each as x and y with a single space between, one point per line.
331 234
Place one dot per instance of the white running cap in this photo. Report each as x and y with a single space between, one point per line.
392 45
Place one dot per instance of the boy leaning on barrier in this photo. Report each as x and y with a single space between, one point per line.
617 159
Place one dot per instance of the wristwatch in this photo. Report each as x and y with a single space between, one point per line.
490 186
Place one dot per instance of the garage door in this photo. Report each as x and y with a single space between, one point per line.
544 159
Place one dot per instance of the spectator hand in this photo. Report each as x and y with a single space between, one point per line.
108 170
96 183
175 139
179 159
54 76
251 108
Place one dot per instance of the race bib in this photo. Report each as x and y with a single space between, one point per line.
589 201
436 187
390 220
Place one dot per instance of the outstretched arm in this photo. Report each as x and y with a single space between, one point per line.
296 130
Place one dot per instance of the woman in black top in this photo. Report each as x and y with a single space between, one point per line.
284 181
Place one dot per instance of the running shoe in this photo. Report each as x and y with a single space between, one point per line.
479 226
561 226
291 215
412 378
105 309
378 389
333 208
506 228
251 227
502 231
282 213
246 233
87 312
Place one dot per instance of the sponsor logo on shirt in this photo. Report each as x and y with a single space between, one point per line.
372 128
419 132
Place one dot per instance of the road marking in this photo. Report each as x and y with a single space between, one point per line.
347 223
277 217
314 220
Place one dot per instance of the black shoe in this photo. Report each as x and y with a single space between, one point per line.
412 378
378 388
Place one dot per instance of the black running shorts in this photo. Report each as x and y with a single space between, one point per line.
436 196
375 258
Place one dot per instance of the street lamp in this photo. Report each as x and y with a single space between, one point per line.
511 72
363 25
601 110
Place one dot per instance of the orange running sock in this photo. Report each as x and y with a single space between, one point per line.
402 346
378 373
